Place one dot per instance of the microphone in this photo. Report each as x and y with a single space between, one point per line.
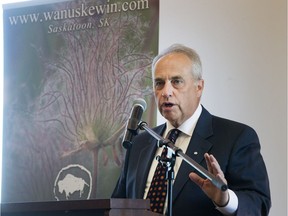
132 125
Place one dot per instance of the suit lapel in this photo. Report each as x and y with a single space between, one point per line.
198 146
146 154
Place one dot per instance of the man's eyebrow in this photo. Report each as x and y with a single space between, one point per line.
158 78
177 77
173 77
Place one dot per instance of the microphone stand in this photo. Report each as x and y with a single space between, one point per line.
170 162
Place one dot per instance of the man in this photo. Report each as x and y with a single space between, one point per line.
228 150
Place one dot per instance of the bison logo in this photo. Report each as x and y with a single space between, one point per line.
73 183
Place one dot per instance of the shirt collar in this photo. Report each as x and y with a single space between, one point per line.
188 126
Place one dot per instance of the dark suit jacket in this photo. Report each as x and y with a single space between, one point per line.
235 146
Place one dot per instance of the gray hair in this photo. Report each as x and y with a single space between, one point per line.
190 53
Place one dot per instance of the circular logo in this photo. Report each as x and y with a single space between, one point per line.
73 182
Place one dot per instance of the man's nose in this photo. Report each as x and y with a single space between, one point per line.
167 91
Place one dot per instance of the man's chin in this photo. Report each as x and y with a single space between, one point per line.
169 117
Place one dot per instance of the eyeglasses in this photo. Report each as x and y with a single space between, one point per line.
175 82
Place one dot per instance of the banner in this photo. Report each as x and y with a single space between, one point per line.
72 70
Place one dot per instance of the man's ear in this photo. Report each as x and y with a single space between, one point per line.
200 87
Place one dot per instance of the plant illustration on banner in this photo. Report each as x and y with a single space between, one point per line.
72 94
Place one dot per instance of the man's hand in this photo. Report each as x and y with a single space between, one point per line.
220 198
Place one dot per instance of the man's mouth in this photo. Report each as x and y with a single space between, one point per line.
167 104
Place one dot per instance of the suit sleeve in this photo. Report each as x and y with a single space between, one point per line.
120 188
247 175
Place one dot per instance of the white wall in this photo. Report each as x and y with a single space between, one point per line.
243 50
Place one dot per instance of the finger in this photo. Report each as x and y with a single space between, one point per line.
215 167
197 179
221 177
208 162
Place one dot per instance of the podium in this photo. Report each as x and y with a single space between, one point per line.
97 207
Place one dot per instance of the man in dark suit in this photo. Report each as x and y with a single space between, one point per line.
229 150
